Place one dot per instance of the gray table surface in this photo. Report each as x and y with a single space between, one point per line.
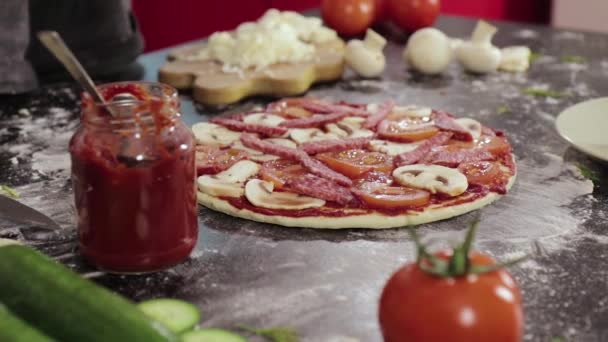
326 284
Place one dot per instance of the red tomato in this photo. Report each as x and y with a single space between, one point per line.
354 163
212 159
498 146
280 171
406 130
379 10
416 306
480 172
412 15
348 17
377 195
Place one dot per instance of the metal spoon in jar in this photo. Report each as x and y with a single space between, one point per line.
52 40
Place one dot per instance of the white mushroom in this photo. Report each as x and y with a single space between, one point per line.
515 58
264 119
392 148
472 126
211 134
428 50
366 57
261 194
434 178
479 55
230 182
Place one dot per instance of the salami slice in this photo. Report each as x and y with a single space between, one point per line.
321 107
383 110
333 145
251 141
313 121
316 167
312 165
236 125
446 122
454 158
314 186
412 157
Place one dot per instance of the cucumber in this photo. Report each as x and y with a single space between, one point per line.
66 306
212 335
13 329
177 315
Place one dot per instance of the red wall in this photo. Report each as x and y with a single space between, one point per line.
165 23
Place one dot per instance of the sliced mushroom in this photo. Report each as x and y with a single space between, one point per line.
264 119
229 183
303 135
261 194
349 127
434 178
253 154
472 126
211 134
392 148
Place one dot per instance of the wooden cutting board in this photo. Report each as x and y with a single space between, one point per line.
211 85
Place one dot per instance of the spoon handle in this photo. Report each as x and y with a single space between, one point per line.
52 40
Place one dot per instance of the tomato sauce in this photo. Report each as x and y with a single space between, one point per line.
134 184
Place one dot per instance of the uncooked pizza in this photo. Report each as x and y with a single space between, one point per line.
307 162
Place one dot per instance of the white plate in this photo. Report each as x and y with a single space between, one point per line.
585 126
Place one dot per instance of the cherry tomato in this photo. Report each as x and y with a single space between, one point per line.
377 195
348 17
354 163
416 306
406 130
212 159
280 171
498 146
412 15
480 172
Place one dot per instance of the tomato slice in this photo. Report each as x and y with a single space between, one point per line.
498 146
480 172
291 107
280 171
406 130
377 195
354 163
212 159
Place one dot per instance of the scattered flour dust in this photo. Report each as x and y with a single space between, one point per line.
42 140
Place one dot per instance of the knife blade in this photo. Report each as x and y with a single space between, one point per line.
15 211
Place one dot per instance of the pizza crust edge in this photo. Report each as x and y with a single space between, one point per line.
366 221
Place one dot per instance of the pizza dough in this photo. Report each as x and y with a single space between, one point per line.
295 165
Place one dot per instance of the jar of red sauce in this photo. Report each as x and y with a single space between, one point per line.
134 177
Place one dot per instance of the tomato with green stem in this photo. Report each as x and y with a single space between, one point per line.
457 295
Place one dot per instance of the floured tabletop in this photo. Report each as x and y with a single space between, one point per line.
326 284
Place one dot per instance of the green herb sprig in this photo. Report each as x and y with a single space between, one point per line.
274 334
574 59
8 191
536 92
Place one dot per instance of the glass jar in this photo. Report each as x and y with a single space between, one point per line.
133 174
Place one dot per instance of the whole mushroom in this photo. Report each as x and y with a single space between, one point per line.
366 57
429 51
478 55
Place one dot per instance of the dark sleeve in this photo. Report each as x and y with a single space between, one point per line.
102 34
16 73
